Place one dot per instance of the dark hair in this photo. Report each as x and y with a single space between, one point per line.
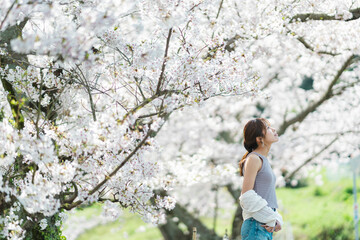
253 129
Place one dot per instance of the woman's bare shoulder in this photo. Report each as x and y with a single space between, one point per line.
253 161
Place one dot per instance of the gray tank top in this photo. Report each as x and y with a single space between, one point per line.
265 182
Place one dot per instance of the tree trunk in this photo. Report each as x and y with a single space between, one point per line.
190 222
171 231
237 222
238 219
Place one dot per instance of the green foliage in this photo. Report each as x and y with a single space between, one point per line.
344 232
260 108
51 232
318 192
307 83
348 190
2 115
300 183
15 104
225 136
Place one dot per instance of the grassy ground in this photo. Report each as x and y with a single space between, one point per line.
315 212
131 227
320 212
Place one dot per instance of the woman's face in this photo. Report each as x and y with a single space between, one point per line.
271 135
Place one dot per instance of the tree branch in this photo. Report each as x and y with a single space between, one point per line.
312 107
136 108
148 100
291 175
340 90
235 193
270 81
7 13
308 46
164 62
86 84
74 195
139 86
108 177
303 17
12 32
218 13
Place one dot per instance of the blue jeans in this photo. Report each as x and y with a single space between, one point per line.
252 230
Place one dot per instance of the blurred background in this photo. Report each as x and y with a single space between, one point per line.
321 207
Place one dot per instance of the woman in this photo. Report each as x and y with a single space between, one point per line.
258 197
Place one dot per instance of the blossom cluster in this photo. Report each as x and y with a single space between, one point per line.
86 88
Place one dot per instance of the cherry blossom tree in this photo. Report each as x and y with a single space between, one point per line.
86 86
307 56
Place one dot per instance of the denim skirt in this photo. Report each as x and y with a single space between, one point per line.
251 229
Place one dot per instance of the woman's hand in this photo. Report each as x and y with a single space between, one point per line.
277 226
273 229
268 228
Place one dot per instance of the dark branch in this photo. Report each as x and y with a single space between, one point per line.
308 46
291 175
218 13
312 107
108 177
164 62
190 222
235 193
322 17
340 90
12 32
7 13
74 194
270 81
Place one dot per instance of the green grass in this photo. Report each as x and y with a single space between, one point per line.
320 212
129 226
89 212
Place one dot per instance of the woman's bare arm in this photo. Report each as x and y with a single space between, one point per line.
252 166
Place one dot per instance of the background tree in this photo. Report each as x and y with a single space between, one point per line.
86 86
308 60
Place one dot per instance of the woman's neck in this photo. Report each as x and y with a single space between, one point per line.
263 150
